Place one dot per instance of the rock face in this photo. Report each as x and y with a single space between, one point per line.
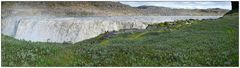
75 29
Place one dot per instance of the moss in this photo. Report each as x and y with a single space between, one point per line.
104 42
162 24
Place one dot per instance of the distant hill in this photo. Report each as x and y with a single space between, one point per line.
95 8
165 11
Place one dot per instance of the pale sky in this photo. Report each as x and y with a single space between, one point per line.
187 4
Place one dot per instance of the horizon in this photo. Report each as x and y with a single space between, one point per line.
183 5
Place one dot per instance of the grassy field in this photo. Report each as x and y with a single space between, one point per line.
201 43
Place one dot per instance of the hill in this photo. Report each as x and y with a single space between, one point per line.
94 8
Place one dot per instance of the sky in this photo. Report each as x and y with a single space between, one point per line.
186 5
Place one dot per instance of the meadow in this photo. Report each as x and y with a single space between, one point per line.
211 42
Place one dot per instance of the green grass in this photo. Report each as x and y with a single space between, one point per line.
203 43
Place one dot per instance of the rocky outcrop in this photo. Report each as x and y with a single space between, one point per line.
75 29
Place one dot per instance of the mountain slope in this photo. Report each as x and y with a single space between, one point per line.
95 8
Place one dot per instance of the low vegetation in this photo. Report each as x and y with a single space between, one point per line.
203 43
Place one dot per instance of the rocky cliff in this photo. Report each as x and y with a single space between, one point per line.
77 21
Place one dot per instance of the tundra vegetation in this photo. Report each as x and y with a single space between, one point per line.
212 42
181 43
